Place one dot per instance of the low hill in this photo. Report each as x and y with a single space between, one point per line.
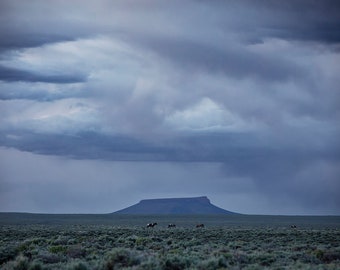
196 205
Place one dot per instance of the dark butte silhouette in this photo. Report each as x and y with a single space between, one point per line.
195 205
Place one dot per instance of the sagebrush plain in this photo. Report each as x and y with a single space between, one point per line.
29 241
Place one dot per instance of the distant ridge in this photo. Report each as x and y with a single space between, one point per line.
193 205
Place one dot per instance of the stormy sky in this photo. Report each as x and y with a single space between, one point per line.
104 103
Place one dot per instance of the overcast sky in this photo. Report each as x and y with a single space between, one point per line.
104 103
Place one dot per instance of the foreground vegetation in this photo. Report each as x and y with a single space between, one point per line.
67 246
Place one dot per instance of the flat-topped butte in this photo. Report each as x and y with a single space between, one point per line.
191 205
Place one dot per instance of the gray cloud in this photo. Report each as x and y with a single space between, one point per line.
15 40
232 61
299 20
13 75
235 100
30 91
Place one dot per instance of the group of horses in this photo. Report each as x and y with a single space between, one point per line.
171 225
201 225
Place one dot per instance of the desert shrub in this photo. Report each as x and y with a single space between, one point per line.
35 266
75 251
227 256
308 258
265 259
50 258
175 263
71 241
213 263
22 247
61 240
37 241
241 258
20 263
142 241
7 253
57 249
149 263
120 257
260 267
77 265
327 256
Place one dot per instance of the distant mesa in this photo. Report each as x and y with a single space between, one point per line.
195 205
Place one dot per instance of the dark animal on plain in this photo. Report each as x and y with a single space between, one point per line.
293 226
200 226
151 225
171 225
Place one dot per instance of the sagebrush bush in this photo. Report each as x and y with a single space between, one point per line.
7 252
175 262
119 258
35 266
75 251
213 263
20 263
77 265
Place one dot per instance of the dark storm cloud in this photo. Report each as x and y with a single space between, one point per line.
16 75
297 20
40 96
24 25
249 88
250 22
17 40
231 61
27 25
86 145
240 151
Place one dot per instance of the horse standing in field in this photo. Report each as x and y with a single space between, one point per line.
200 225
151 225
171 225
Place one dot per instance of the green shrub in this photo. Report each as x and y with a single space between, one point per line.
23 246
50 258
77 265
35 266
20 263
120 257
265 259
327 256
175 263
75 252
213 263
7 253
57 249
142 241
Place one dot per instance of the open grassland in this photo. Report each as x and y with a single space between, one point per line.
123 242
